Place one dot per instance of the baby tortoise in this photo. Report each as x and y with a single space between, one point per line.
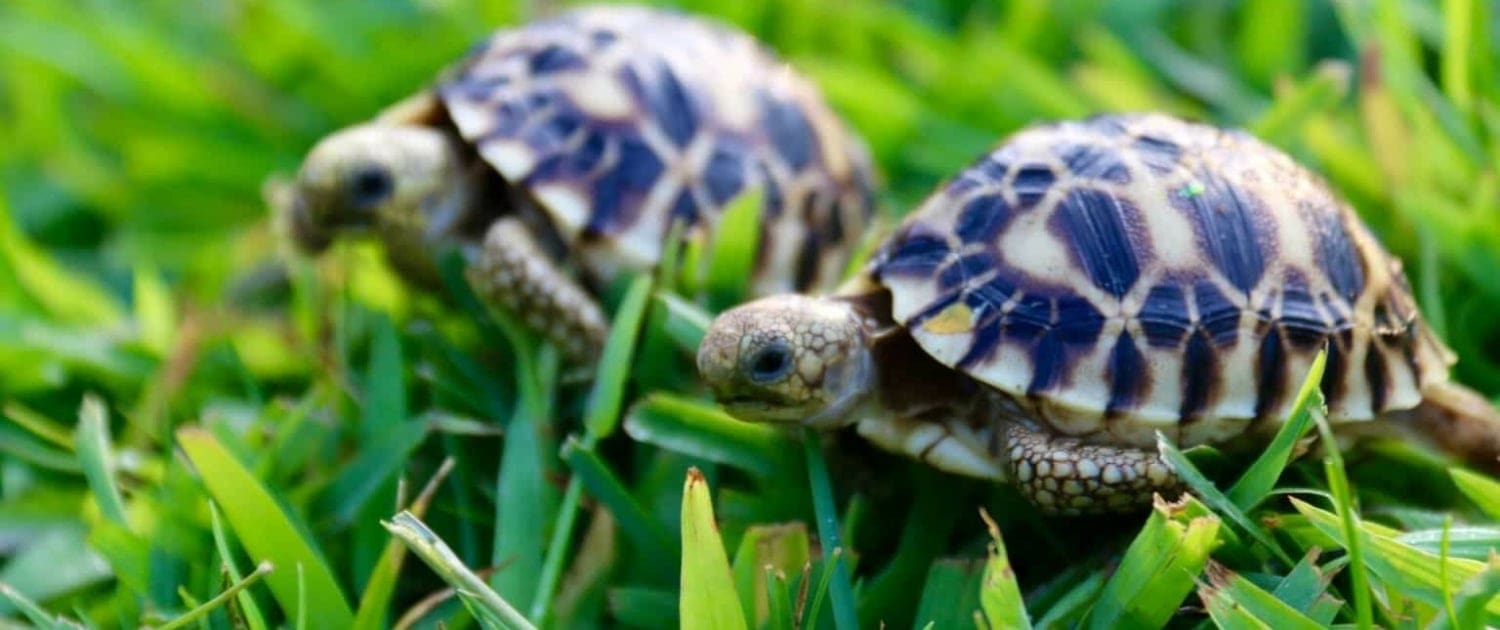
1085 285
574 144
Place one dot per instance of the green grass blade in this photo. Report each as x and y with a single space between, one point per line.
1213 498
1468 606
253 617
39 425
637 607
952 594
778 600
1482 490
811 613
1261 476
829 537
685 323
265 531
1000 596
520 511
1318 93
1343 501
67 297
94 454
707 599
1073 604
608 394
381 459
201 611
1305 588
1458 38
1158 569
385 388
381 587
601 417
1417 574
1236 592
432 550
34 612
650 537
731 258
700 430
777 549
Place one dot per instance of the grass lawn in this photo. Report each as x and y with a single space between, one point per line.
198 428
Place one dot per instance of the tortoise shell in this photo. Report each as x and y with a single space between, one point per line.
1133 273
619 121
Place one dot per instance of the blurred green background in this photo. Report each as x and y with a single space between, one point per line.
138 261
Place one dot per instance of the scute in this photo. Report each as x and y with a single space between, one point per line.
1200 273
632 118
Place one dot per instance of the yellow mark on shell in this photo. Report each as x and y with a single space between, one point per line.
958 318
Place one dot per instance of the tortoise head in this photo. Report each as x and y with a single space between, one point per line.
371 174
788 358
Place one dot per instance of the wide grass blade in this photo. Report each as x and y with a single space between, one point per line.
1158 569
999 595
265 531
707 599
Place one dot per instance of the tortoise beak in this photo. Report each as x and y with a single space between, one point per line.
310 238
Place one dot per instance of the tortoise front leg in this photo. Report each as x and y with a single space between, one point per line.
513 272
1063 476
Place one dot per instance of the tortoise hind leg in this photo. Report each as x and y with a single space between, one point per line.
513 272
1063 476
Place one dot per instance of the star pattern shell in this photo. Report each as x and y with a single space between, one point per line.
1133 273
622 120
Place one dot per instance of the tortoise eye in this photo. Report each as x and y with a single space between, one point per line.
370 186
771 363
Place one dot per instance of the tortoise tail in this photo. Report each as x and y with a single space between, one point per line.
1461 422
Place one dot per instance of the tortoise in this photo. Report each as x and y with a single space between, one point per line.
560 154
1086 285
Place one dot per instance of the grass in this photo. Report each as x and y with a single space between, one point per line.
197 429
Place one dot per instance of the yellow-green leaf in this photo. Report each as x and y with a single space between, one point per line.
707 599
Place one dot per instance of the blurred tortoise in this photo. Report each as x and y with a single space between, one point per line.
575 143
1086 285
